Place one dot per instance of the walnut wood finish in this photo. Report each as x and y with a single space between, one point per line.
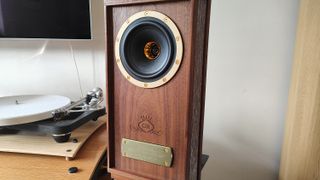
301 149
174 111
126 2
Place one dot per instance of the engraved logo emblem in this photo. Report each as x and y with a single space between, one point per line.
146 125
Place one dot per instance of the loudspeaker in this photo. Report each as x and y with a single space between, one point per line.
156 76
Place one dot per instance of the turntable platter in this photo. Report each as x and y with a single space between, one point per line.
16 110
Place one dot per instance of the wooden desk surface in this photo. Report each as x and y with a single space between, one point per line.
32 167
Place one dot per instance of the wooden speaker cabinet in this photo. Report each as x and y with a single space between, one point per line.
156 76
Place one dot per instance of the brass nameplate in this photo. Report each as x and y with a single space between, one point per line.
151 153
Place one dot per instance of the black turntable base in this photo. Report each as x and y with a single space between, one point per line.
59 129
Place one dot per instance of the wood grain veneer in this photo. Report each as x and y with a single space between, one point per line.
301 148
126 2
174 109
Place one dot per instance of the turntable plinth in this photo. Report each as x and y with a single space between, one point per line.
23 166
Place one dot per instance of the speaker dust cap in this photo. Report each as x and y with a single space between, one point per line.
148 49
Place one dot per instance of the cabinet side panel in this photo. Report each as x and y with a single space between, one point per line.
198 87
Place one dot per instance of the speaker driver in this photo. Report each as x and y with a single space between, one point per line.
148 49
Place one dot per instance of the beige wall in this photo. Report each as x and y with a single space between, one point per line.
250 59
250 56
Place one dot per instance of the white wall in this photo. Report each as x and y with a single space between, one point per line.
250 56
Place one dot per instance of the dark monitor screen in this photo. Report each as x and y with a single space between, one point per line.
58 19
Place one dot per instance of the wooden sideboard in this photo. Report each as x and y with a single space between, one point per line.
33 167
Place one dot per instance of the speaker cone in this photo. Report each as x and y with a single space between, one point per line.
148 49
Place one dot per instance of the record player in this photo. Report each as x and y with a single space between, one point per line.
49 114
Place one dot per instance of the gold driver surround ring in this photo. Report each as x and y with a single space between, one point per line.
178 51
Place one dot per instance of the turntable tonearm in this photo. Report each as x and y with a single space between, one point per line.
50 114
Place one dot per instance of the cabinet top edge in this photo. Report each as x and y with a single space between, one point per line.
130 2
